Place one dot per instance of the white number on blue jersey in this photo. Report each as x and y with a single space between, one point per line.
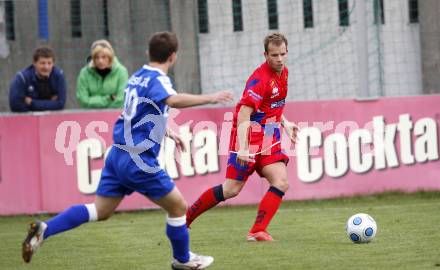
130 104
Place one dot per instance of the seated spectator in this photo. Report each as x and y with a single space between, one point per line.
102 81
39 87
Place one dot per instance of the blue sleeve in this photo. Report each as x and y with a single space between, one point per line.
17 93
161 89
52 105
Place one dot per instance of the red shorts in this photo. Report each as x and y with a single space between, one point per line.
241 173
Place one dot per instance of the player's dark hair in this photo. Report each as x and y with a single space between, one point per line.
161 46
276 39
44 52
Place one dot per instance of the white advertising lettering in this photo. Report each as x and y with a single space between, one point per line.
341 153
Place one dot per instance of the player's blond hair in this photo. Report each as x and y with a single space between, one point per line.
276 39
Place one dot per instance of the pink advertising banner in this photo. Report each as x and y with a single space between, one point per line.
20 181
346 147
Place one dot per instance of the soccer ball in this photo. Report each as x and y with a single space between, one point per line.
361 228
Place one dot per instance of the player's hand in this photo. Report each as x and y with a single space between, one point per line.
28 100
176 138
244 157
222 97
292 130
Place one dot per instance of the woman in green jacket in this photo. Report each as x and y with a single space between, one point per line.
101 83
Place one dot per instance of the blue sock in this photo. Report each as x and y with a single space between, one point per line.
66 220
179 238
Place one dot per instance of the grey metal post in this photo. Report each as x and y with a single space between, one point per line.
363 90
429 11
4 48
183 22
120 29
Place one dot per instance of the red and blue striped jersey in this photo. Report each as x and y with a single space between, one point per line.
266 93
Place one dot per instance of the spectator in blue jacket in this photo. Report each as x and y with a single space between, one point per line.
39 87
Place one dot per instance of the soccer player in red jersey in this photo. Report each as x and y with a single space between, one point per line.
255 143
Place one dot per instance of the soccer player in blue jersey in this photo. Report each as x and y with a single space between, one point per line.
132 163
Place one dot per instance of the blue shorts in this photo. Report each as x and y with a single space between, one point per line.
121 176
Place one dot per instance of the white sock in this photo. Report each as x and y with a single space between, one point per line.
93 213
176 222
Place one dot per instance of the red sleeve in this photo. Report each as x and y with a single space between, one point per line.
253 94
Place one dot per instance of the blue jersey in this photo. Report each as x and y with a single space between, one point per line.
132 164
141 126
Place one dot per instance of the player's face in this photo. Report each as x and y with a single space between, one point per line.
43 66
276 56
102 61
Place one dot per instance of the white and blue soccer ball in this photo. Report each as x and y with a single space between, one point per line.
361 228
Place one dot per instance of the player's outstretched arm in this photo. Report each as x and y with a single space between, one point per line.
189 100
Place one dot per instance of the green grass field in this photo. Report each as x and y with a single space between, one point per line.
309 235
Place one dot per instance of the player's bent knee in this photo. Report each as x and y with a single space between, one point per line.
104 216
179 210
285 186
182 209
231 192
231 188
282 185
